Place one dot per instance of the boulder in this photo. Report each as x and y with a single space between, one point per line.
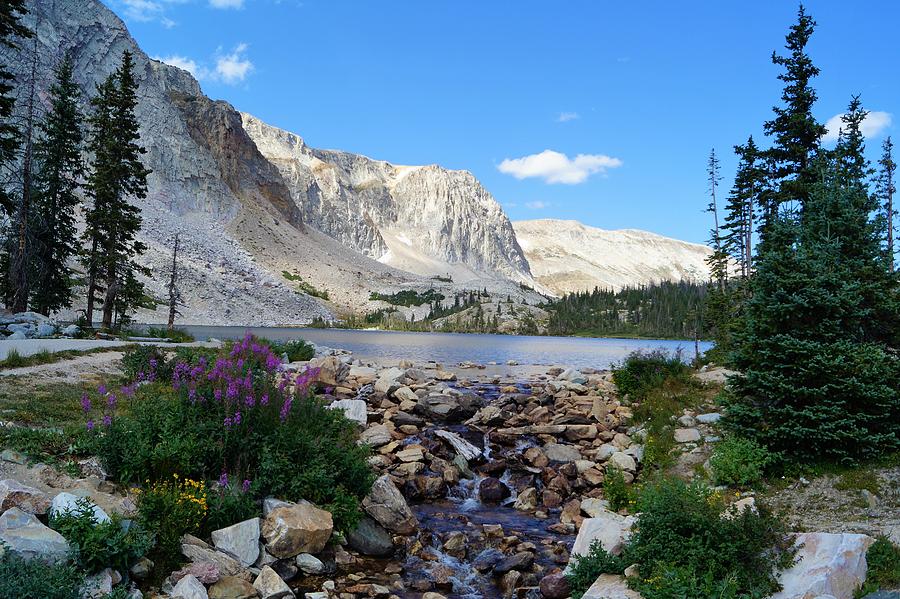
354 409
296 528
687 435
189 588
199 555
405 394
610 528
332 370
28 499
240 540
827 564
520 561
376 435
23 534
491 490
710 418
527 500
447 408
370 538
99 585
610 586
557 452
555 586
387 506
45 330
67 502
232 587
270 586
309 564
623 461
71 330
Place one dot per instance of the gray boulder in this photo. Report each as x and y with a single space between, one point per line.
23 534
387 506
270 585
28 499
240 540
370 538
189 588
309 564
67 502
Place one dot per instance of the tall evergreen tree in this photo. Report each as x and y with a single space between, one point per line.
11 30
60 169
795 130
749 182
117 175
885 189
819 379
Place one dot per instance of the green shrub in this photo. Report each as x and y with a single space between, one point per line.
229 505
13 359
146 362
642 371
883 560
97 545
172 508
587 568
231 416
682 540
859 479
34 579
408 297
175 335
297 350
739 462
615 489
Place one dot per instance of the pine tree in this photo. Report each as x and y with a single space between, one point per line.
60 169
749 181
884 190
175 295
718 261
819 380
796 131
116 176
11 28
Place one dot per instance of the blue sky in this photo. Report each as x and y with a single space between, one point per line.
516 91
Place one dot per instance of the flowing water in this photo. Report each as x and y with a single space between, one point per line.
453 348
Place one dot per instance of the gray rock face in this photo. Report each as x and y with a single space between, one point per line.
270 585
370 538
23 534
387 506
240 540
389 212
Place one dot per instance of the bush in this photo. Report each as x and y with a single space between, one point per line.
228 505
297 350
739 462
408 297
34 579
587 568
175 335
146 362
682 541
642 371
883 559
98 545
172 508
615 489
233 416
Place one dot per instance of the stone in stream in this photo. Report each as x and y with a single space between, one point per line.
526 501
370 538
297 528
557 452
555 586
492 490
520 561
240 540
487 559
387 506
460 445
23 534
28 499
827 564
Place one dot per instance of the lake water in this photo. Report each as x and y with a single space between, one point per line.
452 348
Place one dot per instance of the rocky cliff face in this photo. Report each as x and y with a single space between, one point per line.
566 256
423 219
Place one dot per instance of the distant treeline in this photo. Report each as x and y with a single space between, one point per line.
659 310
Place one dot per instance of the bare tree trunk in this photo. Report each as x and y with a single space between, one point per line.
173 290
109 301
18 264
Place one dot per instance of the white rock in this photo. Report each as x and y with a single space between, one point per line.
240 540
270 585
461 446
309 564
828 564
354 409
623 461
67 502
710 418
610 528
687 435
557 452
610 586
189 588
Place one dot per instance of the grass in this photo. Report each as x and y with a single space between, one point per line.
305 286
16 360
859 479
175 335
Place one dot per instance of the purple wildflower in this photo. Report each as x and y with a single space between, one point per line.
90 425
223 480
245 486
101 389
107 420
85 402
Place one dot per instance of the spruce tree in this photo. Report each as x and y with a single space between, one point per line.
749 181
795 130
117 175
11 29
885 189
60 169
818 378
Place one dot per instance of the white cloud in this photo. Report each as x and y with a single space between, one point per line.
556 167
183 62
226 3
234 67
565 117
537 205
874 123
142 10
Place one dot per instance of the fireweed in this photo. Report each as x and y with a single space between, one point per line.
234 417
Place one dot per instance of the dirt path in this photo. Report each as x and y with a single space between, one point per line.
72 370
